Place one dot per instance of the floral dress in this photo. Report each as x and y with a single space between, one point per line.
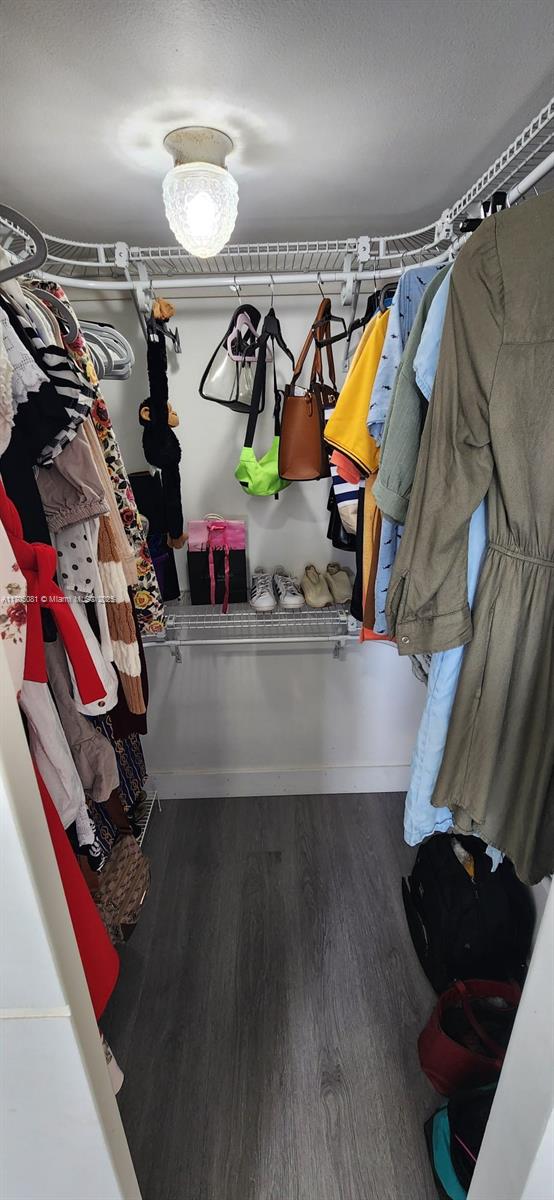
147 598
13 610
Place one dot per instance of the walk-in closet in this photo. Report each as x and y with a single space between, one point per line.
276 601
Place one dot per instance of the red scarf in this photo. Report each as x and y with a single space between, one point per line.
38 564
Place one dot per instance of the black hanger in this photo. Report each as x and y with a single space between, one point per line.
497 203
386 294
154 326
338 337
358 323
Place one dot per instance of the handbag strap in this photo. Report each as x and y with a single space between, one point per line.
253 315
271 332
498 1051
321 322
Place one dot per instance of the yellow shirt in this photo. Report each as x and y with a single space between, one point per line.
346 428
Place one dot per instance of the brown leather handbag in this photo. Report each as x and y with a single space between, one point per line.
302 451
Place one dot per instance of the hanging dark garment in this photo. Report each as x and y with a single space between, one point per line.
130 762
357 603
490 432
159 442
149 495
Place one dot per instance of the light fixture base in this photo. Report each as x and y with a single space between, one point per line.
198 143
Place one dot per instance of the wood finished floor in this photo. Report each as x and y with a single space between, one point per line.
269 1004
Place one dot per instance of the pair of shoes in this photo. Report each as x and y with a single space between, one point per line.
331 586
269 589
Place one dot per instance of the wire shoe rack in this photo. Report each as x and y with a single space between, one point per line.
202 625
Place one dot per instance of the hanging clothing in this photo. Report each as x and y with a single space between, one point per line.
347 469
491 414
371 542
50 417
101 658
148 492
346 496
346 429
427 353
92 753
13 610
26 374
404 310
37 564
126 553
146 597
405 421
119 614
52 757
6 393
402 313
130 762
70 488
421 818
99 958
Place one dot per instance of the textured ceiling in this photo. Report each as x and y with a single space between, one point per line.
348 117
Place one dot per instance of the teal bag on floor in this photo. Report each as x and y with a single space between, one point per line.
260 476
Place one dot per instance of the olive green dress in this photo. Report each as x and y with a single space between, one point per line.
490 432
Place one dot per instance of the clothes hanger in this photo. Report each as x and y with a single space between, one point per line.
25 228
71 328
42 317
243 349
116 344
95 340
386 294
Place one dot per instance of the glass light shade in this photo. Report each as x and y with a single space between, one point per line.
201 204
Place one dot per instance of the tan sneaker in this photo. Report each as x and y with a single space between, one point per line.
339 583
314 586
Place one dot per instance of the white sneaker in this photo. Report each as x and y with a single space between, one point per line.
287 590
262 596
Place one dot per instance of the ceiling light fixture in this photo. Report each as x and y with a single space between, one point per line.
200 196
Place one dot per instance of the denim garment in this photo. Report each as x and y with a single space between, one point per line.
411 287
427 355
403 311
420 818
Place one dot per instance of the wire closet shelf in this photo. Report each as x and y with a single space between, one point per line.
116 265
203 625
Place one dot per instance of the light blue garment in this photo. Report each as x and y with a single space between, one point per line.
427 354
420 818
391 534
411 287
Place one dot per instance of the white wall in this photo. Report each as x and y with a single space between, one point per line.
234 722
517 1156
61 1135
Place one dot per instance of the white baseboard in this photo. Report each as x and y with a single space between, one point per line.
274 781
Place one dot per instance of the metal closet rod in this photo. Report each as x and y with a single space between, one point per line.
276 278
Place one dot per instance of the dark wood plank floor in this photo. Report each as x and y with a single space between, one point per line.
269 1005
